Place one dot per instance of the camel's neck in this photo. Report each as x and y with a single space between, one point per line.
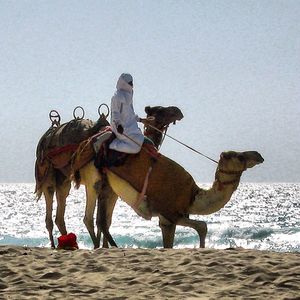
211 200
154 135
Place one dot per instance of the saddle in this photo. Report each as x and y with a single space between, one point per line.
57 146
97 148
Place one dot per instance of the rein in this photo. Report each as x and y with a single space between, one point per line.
181 143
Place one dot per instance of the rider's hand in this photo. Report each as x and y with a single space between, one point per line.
120 129
147 120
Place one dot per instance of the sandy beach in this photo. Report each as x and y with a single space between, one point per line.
43 273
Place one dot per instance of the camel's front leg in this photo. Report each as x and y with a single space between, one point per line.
168 232
199 226
91 196
110 205
49 193
62 192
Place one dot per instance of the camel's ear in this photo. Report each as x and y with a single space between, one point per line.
147 110
225 155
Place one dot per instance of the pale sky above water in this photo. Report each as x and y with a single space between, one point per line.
232 67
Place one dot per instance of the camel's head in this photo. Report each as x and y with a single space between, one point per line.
163 115
232 164
232 161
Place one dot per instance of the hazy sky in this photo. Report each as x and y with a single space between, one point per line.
232 67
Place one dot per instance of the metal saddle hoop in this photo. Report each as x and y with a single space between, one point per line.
107 108
54 118
82 112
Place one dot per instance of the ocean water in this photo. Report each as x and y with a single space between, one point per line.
259 216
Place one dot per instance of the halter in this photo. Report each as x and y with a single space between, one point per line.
163 131
236 180
233 181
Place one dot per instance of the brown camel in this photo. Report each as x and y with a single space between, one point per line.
172 194
53 167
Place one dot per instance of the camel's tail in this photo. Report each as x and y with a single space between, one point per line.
38 193
76 178
83 155
41 172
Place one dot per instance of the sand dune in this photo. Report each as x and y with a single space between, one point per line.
41 273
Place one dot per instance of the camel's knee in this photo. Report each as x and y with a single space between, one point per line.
164 223
49 224
88 222
165 226
168 233
59 221
203 228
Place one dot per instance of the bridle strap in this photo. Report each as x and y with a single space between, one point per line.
164 131
234 172
229 182
231 172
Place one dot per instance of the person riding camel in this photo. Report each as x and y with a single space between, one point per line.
129 137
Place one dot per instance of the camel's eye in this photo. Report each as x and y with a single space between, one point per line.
241 158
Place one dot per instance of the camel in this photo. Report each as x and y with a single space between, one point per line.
172 193
53 166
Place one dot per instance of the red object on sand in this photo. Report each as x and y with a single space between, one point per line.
67 241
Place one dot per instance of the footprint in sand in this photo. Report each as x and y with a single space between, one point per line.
2 285
51 275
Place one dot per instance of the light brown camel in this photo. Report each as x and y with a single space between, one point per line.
172 194
53 167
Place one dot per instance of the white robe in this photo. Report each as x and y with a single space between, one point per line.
122 113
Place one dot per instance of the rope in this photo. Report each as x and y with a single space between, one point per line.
189 147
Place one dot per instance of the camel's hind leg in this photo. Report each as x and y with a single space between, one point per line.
49 193
62 192
199 226
106 203
168 232
91 178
